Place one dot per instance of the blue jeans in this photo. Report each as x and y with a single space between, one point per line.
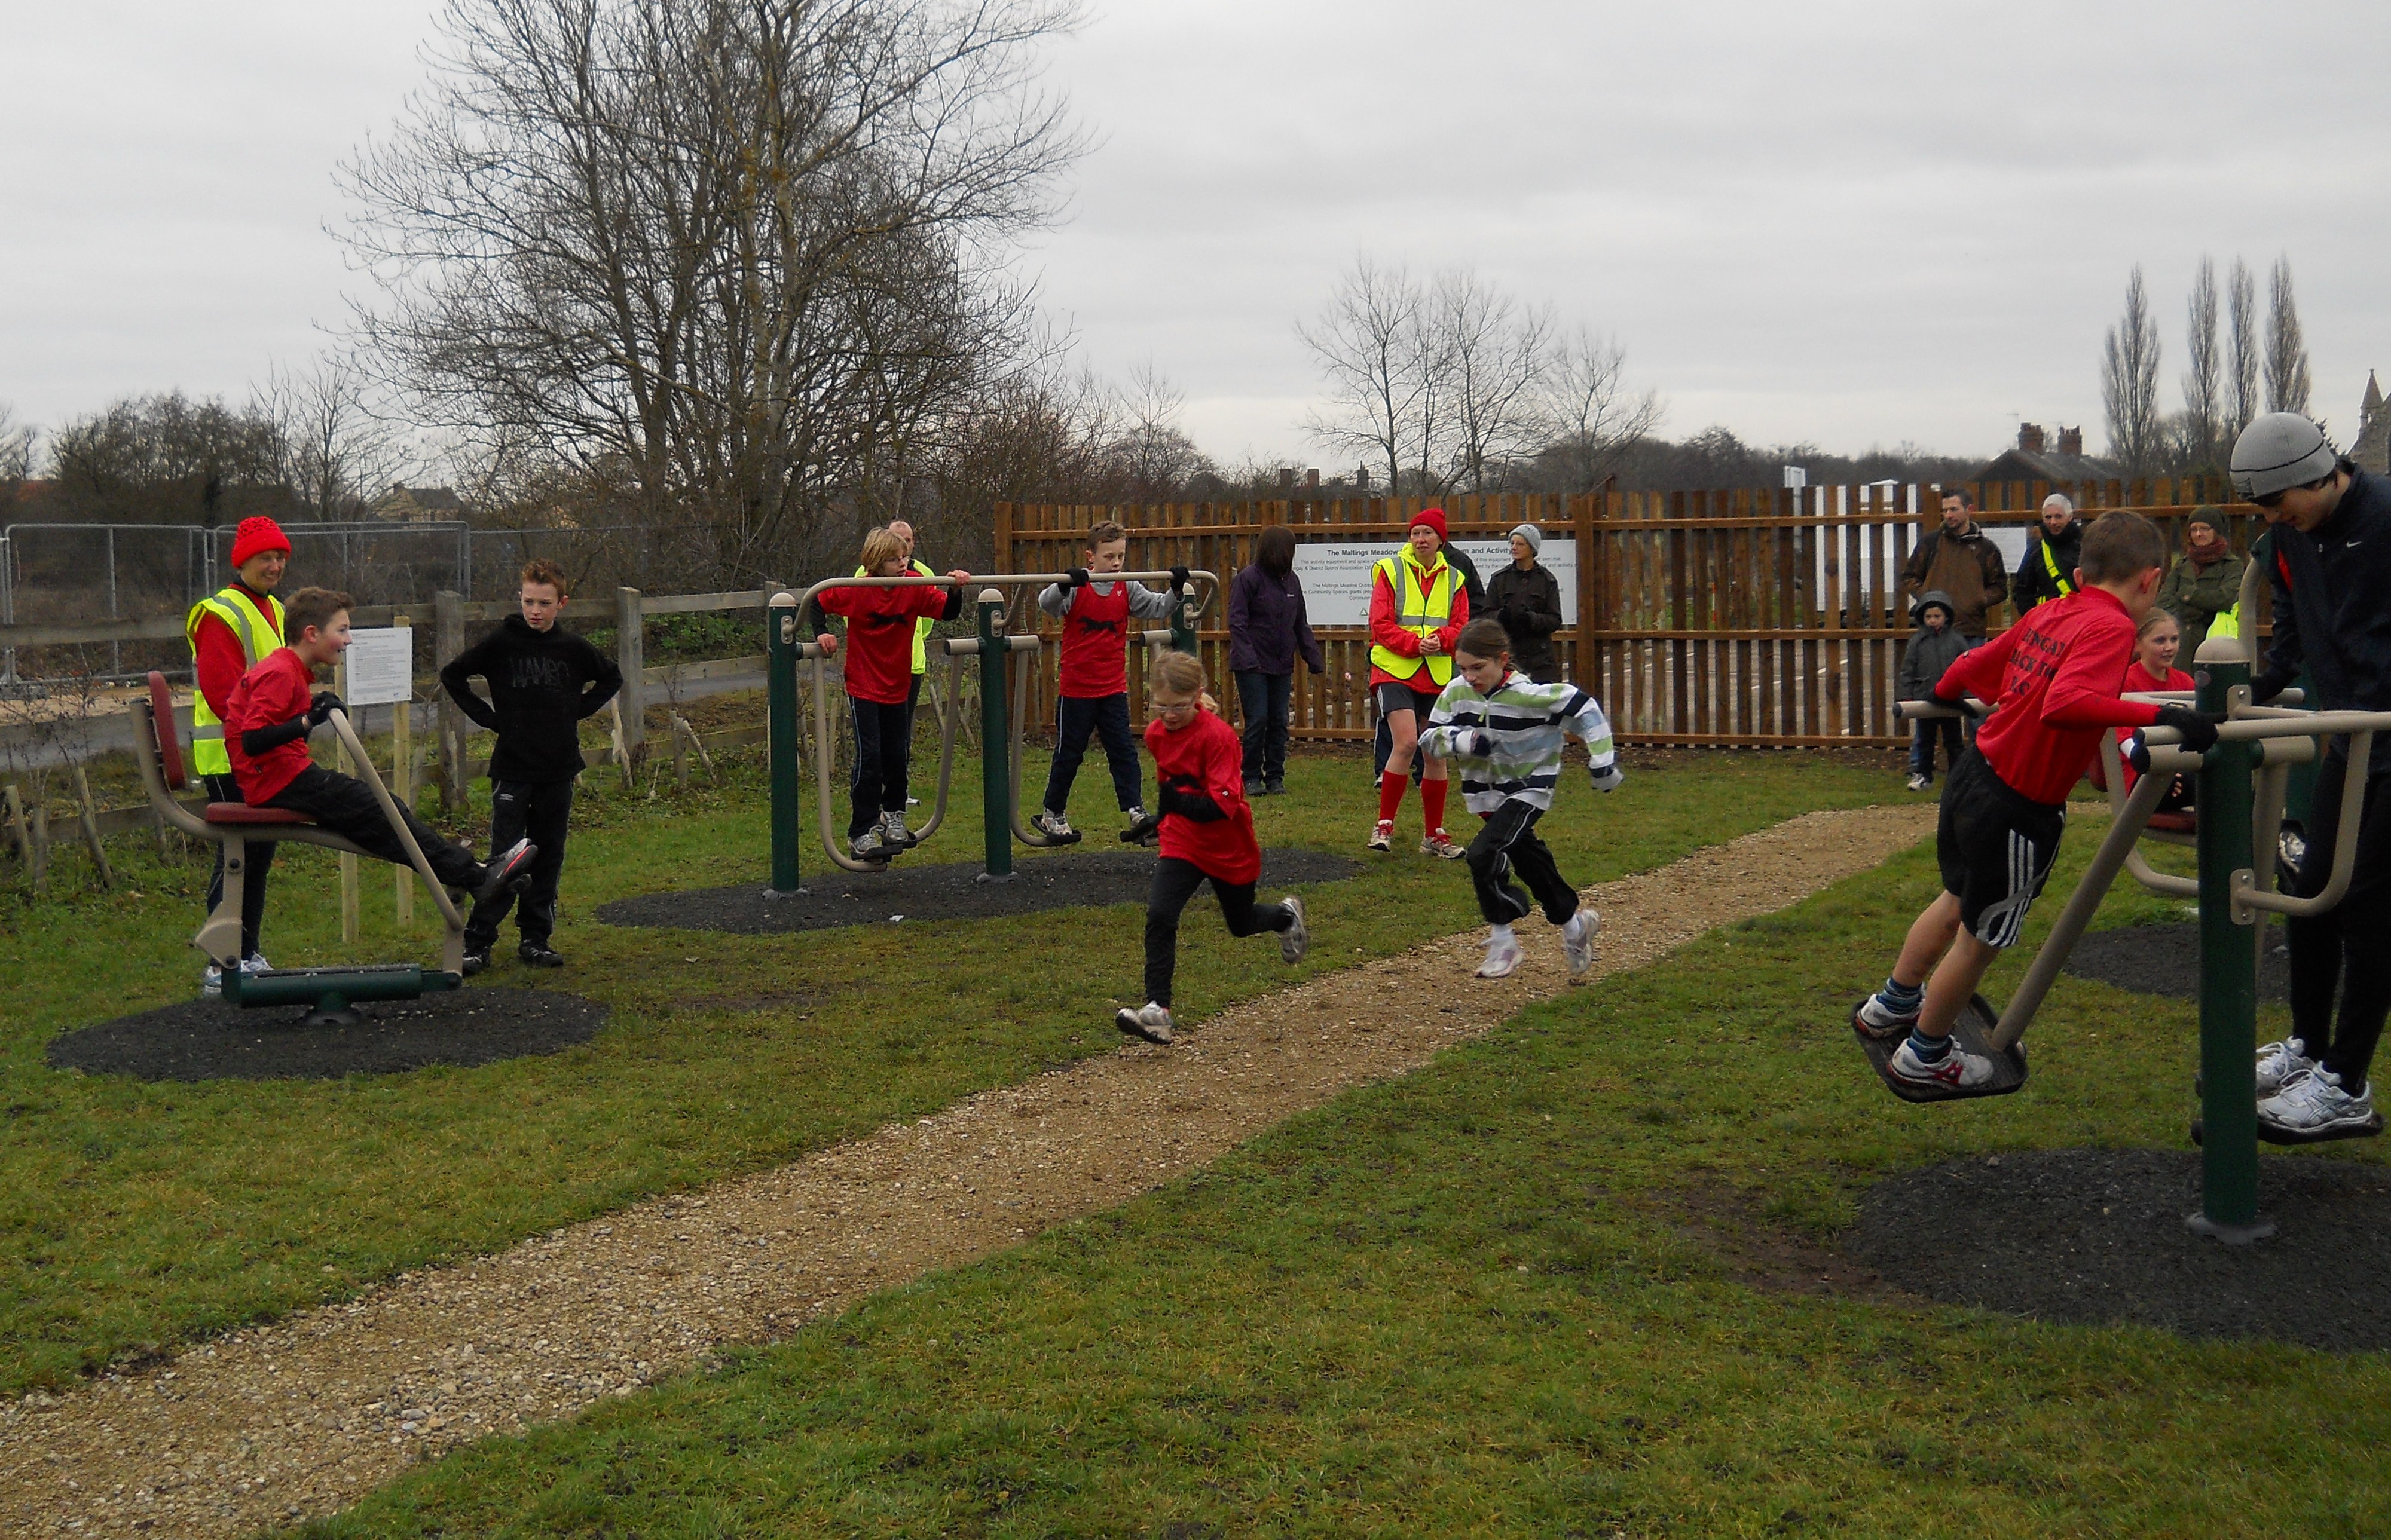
1106 716
1263 700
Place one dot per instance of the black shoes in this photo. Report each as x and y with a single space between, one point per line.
505 867
535 953
476 959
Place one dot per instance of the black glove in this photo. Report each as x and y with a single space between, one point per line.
1477 745
1188 800
2198 728
321 710
1178 579
1143 829
2267 686
1076 578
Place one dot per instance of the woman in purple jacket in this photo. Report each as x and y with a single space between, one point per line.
1266 629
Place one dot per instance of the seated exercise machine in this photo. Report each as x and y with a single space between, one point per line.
1003 715
329 991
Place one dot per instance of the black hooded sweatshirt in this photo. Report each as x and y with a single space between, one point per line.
542 684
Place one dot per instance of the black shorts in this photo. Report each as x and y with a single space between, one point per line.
1996 848
1402 698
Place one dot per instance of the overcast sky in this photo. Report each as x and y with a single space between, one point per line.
1854 223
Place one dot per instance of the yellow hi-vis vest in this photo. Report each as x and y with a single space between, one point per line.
2227 624
1423 604
259 633
921 627
2051 564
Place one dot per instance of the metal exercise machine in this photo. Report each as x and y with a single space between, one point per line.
1003 713
330 991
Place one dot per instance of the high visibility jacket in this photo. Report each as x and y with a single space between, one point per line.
1423 605
921 631
2227 624
2066 580
259 633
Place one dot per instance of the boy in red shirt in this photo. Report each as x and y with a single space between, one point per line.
1092 694
2054 680
1206 828
266 724
880 624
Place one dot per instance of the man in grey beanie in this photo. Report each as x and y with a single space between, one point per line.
1526 598
2331 581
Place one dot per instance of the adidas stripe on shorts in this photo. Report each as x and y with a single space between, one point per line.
1996 849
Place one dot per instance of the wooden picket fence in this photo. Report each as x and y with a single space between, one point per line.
1745 617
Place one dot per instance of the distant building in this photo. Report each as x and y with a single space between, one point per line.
416 505
2371 448
2031 462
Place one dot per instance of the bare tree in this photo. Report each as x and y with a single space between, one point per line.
2241 350
2287 355
338 451
2129 383
1367 345
17 440
737 253
1156 458
1590 420
2204 382
168 459
1496 356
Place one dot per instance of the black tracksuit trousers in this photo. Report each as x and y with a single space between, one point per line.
1508 844
541 811
1175 882
259 854
2349 944
348 807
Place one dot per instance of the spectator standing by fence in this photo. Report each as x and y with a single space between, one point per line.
232 631
1932 648
2204 582
1526 599
1960 559
2048 570
1268 626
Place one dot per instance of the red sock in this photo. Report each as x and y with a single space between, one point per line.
1390 793
1432 804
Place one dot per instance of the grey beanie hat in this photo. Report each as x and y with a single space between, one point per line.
2279 451
1532 536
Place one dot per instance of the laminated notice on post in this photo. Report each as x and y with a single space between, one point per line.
380 666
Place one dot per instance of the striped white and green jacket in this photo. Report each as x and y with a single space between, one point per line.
1523 723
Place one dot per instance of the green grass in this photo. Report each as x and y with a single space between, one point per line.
1466 1301
137 1216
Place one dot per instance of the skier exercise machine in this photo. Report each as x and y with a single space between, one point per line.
330 991
1001 725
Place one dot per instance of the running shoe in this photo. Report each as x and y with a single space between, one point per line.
1577 944
476 959
1150 1021
866 846
505 867
211 982
1051 825
1383 835
894 834
1918 783
1295 937
1958 1068
1880 1020
2315 1104
1440 844
539 953
2281 1063
1502 954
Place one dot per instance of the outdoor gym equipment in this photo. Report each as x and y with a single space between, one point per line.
329 991
1004 713
2241 803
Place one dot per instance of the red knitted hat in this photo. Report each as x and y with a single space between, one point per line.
256 535
1433 518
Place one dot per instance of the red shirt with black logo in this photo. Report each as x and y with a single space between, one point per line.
880 634
272 693
1095 643
2054 679
1208 753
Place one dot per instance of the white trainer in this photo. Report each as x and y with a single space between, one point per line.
1295 938
1502 954
1958 1068
1051 825
1880 1020
1918 783
1576 943
211 982
2281 1063
1149 1021
2316 1104
893 832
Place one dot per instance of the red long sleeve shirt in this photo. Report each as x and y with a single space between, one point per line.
880 634
2054 680
267 696
1386 632
2140 680
1208 753
216 657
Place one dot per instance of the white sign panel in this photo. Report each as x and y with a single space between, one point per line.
380 666
1336 578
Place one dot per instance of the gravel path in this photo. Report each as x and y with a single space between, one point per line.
295 1421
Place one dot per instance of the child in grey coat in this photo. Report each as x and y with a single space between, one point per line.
1934 647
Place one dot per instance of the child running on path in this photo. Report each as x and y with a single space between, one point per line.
2054 680
1504 730
544 681
879 680
266 726
1207 827
1092 694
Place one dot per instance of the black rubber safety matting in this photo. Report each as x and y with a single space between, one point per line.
2098 1236
2165 959
210 1040
951 891
1970 1032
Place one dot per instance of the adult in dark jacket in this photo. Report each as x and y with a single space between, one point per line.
2048 569
543 680
1960 559
1934 647
1267 628
1526 598
2330 573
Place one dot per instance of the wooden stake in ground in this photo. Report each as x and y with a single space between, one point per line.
622 754
348 859
90 819
41 862
402 786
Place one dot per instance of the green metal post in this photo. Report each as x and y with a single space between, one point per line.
780 707
995 740
2229 981
1183 623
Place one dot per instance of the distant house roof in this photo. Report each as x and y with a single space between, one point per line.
406 502
2031 461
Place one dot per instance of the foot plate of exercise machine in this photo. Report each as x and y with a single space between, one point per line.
1969 1033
